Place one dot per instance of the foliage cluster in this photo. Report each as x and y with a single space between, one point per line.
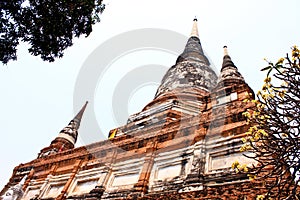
273 139
49 26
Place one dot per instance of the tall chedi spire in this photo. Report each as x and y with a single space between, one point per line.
229 72
67 137
185 88
192 69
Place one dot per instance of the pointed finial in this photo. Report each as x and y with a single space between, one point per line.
80 113
195 28
225 51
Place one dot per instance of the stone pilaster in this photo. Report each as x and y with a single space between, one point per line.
100 188
143 182
75 170
29 177
51 172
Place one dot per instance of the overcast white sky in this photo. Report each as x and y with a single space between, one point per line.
37 97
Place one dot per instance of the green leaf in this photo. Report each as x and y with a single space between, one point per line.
266 68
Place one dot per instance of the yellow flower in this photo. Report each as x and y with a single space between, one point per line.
260 197
251 176
259 93
281 94
280 61
263 132
235 164
245 147
265 86
254 101
267 116
295 51
265 96
246 114
243 168
256 137
284 135
254 113
284 83
267 80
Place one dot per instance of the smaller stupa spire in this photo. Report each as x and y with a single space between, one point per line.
229 72
227 62
66 138
195 32
70 132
